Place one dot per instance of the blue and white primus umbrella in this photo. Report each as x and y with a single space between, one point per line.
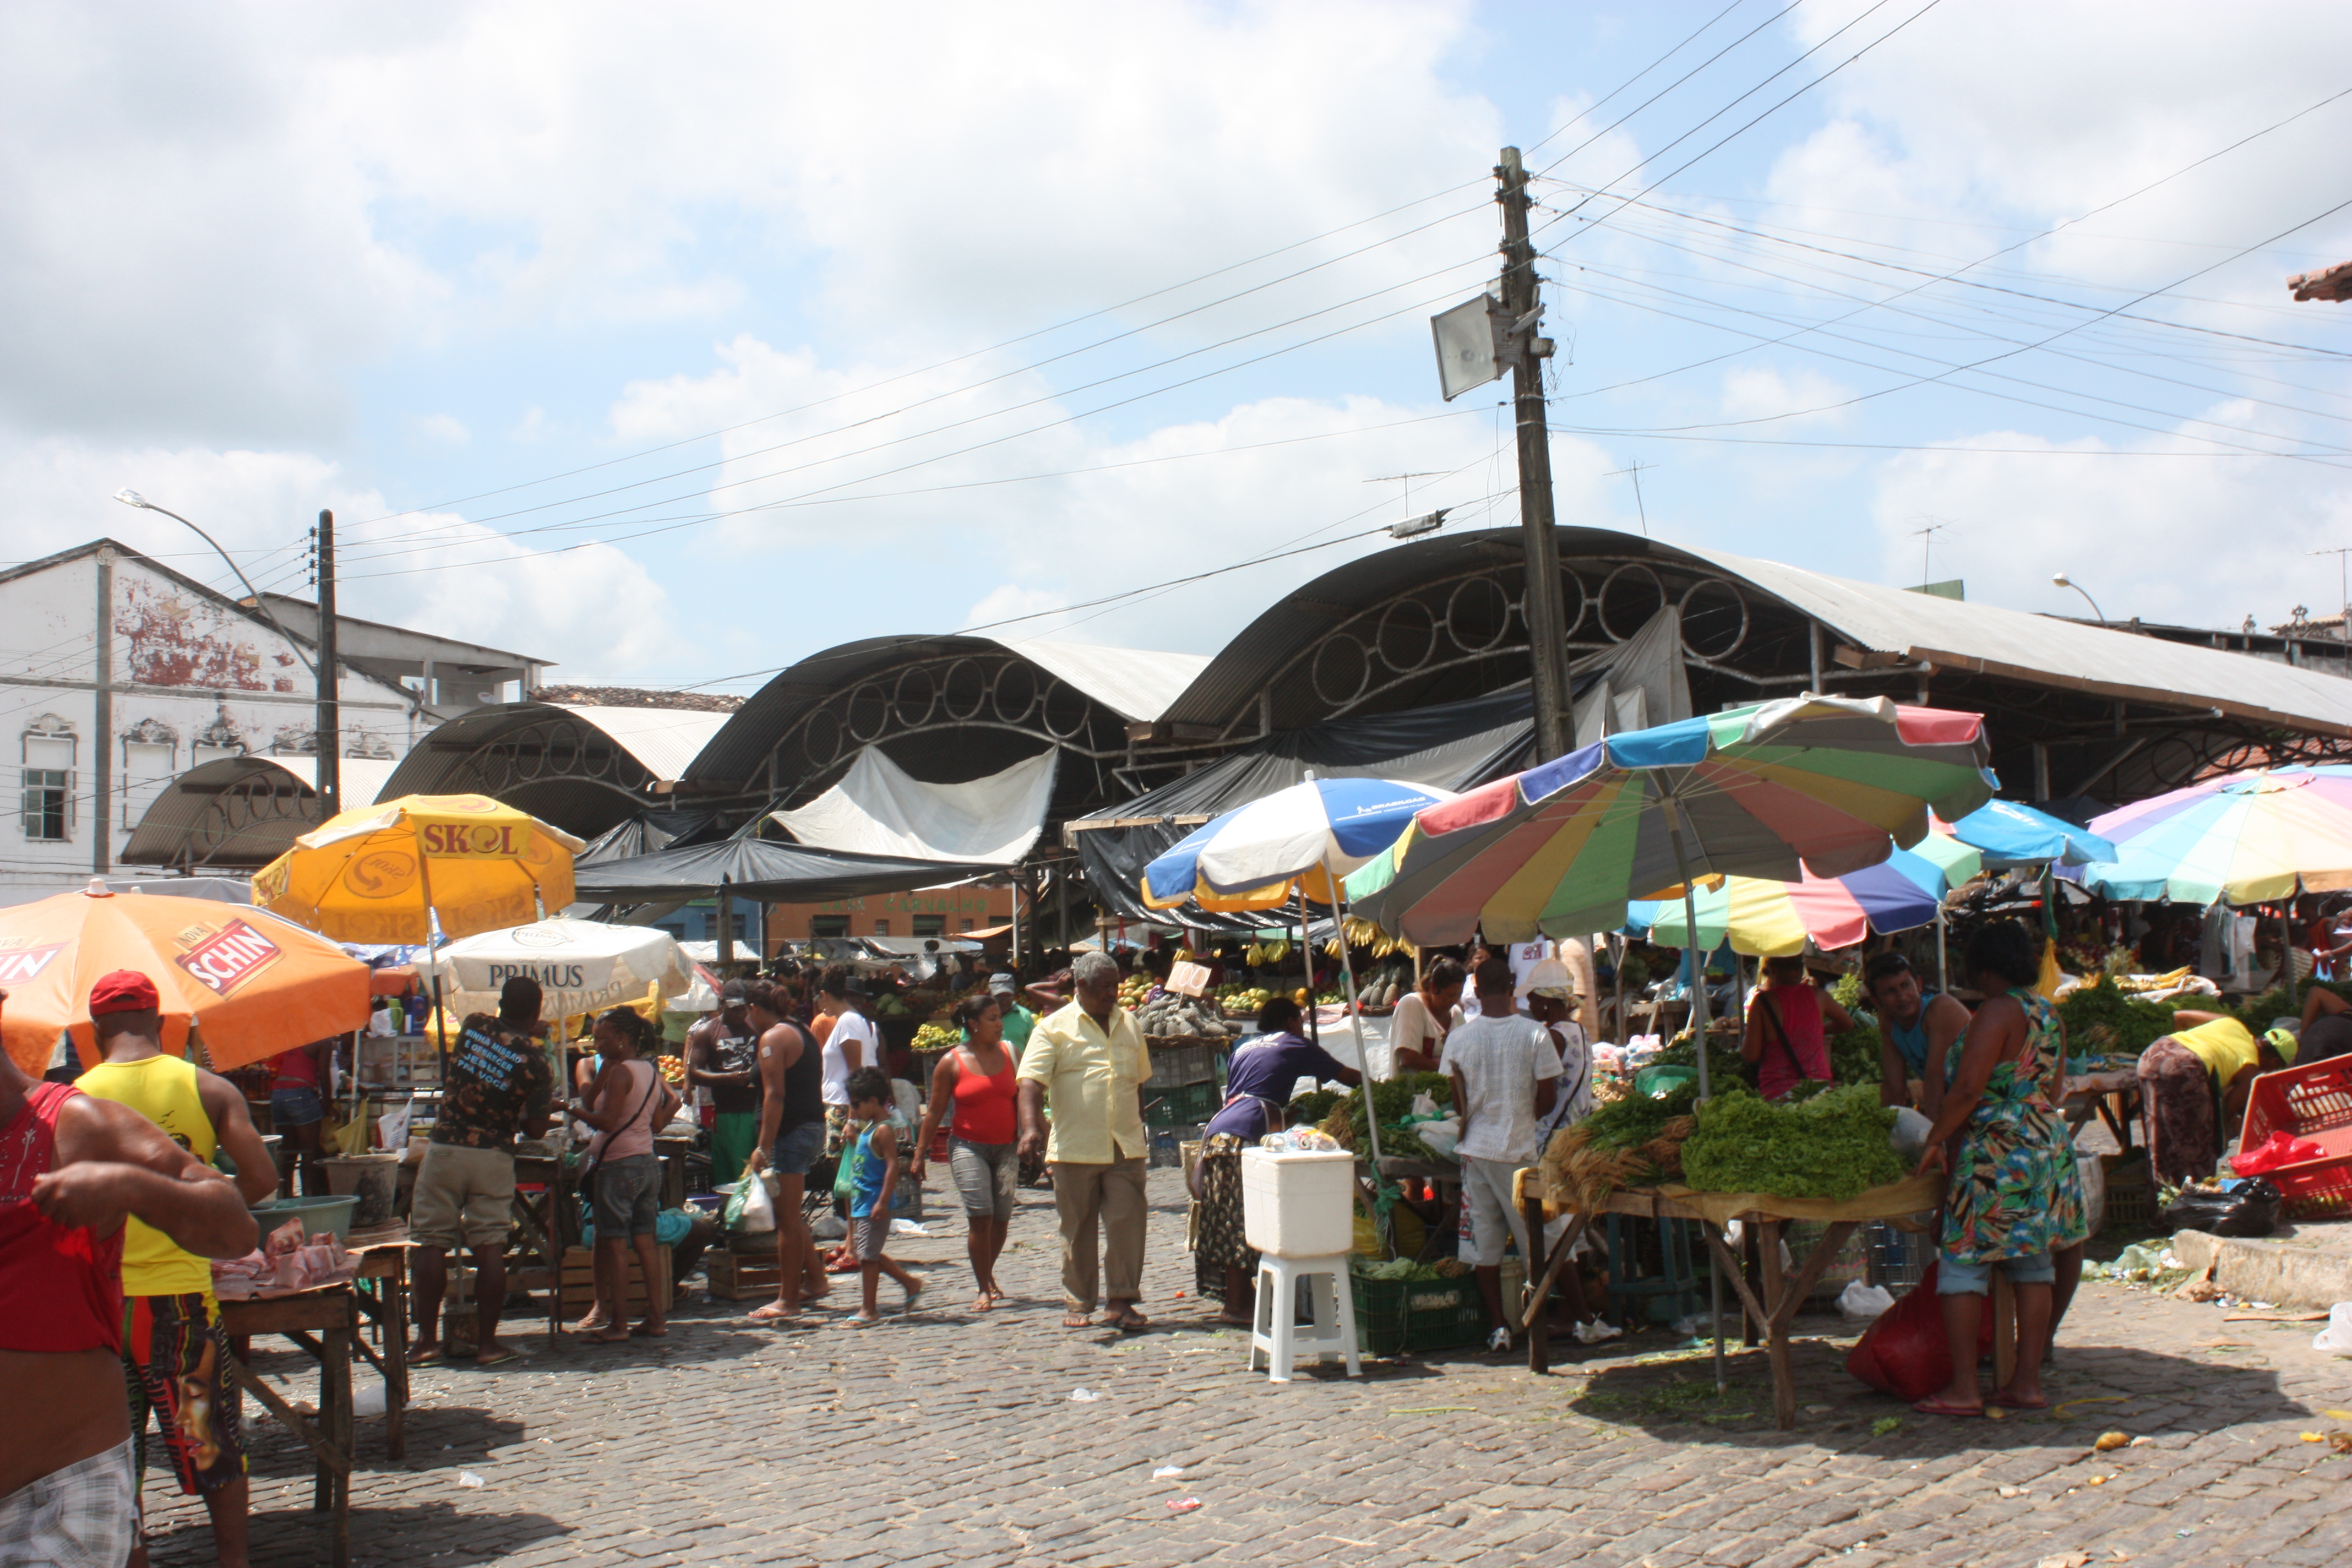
1302 839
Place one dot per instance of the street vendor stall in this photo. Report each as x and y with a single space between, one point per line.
1784 1292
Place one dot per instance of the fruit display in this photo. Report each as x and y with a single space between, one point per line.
1135 990
937 1036
1241 1001
1166 1014
673 1070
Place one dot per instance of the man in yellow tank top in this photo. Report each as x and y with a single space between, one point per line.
175 1358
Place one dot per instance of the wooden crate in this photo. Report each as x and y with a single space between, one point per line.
580 1280
734 1278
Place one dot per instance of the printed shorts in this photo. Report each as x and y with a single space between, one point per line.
175 1362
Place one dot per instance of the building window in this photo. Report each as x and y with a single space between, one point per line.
931 925
149 750
48 804
881 928
969 923
828 926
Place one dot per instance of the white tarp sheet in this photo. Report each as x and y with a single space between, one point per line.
1642 681
878 808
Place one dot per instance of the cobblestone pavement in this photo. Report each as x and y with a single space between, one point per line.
943 1438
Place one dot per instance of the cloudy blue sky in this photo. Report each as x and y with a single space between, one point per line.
673 342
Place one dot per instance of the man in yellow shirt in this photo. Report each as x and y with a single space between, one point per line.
175 1357
1088 1060
2193 1085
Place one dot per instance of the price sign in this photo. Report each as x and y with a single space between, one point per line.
1189 979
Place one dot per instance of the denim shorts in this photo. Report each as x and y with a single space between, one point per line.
296 1105
627 1196
1954 1277
796 1149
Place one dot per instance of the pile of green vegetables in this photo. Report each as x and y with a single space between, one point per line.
1832 1143
1392 1101
1638 1119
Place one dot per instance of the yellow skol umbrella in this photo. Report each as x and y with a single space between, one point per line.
371 875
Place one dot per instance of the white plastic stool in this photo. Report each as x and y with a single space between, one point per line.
1277 1330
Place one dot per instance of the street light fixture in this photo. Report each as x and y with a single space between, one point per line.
132 498
2065 582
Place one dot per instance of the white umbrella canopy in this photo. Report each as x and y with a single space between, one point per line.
582 965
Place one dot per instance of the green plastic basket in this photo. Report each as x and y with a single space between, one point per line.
1180 1105
1400 1317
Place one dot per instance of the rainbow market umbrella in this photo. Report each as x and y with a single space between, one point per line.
1297 841
1773 790
1774 920
2247 837
2008 835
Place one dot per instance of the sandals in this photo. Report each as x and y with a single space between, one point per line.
1941 1407
1129 1322
2004 1402
499 1357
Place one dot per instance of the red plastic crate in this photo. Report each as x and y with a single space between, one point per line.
2313 1102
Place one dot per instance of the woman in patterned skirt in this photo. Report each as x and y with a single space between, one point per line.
1264 1071
2015 1195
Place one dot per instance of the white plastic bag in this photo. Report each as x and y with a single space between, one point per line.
1861 1301
759 1214
1441 1136
1422 1105
2336 1337
392 1127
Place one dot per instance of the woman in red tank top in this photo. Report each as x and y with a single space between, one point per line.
976 1080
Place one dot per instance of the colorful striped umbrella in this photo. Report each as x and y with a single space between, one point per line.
1773 919
1818 784
1299 840
2248 837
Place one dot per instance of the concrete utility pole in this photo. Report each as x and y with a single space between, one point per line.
1522 309
329 738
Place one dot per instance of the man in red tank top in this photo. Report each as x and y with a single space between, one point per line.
71 1169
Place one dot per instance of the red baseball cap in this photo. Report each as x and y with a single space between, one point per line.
123 990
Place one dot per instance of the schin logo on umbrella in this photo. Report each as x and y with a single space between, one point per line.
474 841
20 964
230 956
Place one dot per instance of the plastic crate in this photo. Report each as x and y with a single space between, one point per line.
1400 1317
2131 1196
1185 1061
1180 1105
2313 1102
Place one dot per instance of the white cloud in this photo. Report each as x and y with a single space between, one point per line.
1804 397
1011 602
592 609
442 430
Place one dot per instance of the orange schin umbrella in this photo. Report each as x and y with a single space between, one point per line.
256 985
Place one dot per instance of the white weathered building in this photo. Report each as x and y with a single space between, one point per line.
119 675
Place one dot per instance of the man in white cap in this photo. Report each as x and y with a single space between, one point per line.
1018 1020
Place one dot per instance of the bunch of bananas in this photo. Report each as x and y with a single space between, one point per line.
1264 954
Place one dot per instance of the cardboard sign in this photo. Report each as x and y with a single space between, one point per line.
1187 979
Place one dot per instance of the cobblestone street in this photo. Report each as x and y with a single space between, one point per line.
941 1438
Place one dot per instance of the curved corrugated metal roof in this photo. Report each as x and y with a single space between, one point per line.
1952 634
191 813
1137 684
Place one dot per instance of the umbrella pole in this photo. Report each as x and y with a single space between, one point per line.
1355 1021
1942 980
1698 1033
2286 949
1306 951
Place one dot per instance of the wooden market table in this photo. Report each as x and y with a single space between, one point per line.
1783 1293
2113 1095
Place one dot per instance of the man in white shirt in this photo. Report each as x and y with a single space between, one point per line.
1505 1071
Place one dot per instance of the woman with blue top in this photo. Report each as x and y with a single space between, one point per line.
1265 1070
1916 1027
2015 1196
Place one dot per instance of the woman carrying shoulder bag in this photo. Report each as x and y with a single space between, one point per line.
628 1100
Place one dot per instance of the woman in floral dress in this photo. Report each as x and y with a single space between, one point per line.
2015 1195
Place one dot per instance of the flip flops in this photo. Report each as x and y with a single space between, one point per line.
1941 1407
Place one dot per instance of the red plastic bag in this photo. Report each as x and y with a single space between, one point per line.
1904 1352
2278 1149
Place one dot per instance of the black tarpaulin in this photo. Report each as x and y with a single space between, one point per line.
765 871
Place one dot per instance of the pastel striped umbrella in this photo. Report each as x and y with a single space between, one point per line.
2248 837
1773 919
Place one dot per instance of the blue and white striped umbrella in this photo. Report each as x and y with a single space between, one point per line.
1300 839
